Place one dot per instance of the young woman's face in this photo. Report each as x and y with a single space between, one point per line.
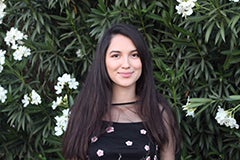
123 63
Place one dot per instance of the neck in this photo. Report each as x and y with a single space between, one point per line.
123 95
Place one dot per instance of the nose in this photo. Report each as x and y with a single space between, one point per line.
125 64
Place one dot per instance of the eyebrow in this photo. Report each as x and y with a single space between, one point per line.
116 51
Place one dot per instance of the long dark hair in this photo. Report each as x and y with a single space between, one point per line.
94 100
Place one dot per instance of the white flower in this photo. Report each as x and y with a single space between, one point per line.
2 57
17 55
35 98
26 100
59 88
20 52
1 68
65 79
190 110
225 118
78 53
2 13
62 121
26 51
72 83
231 122
13 37
234 0
3 93
58 131
185 7
221 115
57 102
2 6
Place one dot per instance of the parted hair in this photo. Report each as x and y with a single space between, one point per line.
94 99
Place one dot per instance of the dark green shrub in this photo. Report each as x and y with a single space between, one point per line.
197 57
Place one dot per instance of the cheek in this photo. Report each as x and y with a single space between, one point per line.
111 68
138 68
138 65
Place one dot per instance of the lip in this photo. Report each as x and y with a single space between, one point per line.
125 74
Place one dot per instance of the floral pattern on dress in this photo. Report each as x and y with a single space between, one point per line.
110 129
150 149
94 139
129 143
143 131
146 147
100 153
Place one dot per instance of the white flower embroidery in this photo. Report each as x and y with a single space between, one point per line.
110 129
143 131
94 139
100 153
129 143
146 147
148 158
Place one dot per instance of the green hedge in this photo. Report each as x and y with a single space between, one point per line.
196 60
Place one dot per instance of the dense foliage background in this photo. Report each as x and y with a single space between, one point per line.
197 57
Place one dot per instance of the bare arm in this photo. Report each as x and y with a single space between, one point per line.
168 151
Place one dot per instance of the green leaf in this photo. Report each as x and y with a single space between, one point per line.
233 98
208 32
222 31
200 100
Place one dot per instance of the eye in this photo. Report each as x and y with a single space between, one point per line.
115 56
135 55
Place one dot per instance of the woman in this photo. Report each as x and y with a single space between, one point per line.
118 113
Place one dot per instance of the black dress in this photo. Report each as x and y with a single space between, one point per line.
123 141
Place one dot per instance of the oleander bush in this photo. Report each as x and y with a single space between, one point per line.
46 48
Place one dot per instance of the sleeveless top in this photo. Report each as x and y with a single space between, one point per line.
123 141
